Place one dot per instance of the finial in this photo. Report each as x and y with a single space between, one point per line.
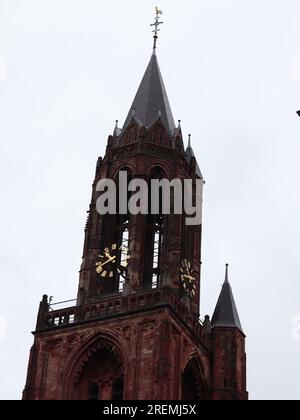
156 27
179 123
190 136
133 112
116 130
159 113
226 274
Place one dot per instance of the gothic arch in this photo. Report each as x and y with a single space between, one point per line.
158 134
156 168
123 167
130 176
194 385
131 133
102 348
154 235
115 230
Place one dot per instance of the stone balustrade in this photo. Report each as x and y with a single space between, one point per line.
120 304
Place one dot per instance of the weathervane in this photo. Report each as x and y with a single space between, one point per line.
156 26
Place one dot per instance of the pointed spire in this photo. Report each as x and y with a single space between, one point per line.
226 313
151 98
117 129
190 154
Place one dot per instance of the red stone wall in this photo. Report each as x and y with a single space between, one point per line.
155 349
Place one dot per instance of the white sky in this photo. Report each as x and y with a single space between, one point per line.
68 69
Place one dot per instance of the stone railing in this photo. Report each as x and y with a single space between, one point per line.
60 317
121 304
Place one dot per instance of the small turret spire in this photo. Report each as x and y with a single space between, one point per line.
190 154
226 313
117 130
156 27
226 274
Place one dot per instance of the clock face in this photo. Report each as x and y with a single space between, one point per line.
187 278
112 260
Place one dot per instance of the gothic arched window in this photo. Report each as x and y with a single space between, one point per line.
192 388
157 250
122 232
124 247
115 236
94 390
154 238
101 377
118 389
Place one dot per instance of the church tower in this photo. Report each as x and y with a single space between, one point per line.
134 332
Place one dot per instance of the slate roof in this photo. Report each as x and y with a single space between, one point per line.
151 99
226 313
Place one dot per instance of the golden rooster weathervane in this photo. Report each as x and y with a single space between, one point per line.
156 25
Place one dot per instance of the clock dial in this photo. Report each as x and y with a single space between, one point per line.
112 260
188 279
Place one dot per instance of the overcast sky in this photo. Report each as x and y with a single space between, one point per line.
68 70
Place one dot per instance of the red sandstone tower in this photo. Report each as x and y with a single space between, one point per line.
135 331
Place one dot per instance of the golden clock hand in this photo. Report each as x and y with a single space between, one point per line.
109 260
189 277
